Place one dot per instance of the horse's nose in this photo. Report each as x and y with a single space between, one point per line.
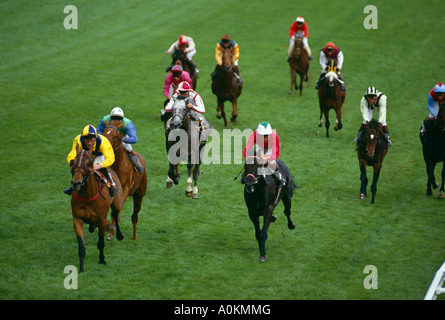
250 188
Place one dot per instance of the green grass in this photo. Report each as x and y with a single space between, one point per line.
55 81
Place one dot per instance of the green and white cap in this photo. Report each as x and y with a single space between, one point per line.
264 128
117 112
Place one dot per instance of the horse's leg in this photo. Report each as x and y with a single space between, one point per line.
235 110
377 168
115 214
171 173
256 224
431 179
301 84
363 180
195 178
101 243
138 196
188 189
320 122
441 193
263 234
327 124
293 75
287 201
338 124
78 229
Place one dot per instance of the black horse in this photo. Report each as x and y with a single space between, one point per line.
433 145
260 194
184 142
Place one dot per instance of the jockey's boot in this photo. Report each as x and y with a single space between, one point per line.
194 67
320 79
279 179
135 161
386 134
169 67
343 81
68 191
237 74
288 59
107 175
215 72
358 139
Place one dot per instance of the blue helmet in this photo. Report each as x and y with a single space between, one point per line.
439 88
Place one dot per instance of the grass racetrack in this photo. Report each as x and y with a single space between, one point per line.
55 81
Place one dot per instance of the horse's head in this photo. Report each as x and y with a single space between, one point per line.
81 168
227 59
113 134
331 77
440 119
179 112
178 57
251 172
298 47
372 132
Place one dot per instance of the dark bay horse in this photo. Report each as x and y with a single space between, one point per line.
299 63
179 57
260 194
226 87
184 143
371 152
133 183
90 202
433 146
330 96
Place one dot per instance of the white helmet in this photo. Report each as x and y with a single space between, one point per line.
371 91
300 19
264 128
117 112
184 86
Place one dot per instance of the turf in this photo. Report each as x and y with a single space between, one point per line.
55 81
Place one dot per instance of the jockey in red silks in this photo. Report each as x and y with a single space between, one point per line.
330 52
266 143
299 29
173 79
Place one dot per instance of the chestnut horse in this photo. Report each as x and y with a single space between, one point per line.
299 63
226 87
330 96
433 146
179 57
90 202
371 152
133 183
260 194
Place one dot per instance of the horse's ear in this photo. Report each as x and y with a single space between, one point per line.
77 148
89 164
71 163
107 122
119 125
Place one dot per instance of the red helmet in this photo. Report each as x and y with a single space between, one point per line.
182 39
330 45
177 68
184 86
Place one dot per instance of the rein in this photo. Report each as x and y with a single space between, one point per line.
120 145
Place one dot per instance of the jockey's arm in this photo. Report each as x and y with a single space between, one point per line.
167 83
340 61
198 104
382 110
323 61
250 143
364 109
235 52
73 153
131 136
431 105
101 127
172 47
218 54
107 151
191 45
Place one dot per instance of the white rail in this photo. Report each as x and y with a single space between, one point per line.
436 286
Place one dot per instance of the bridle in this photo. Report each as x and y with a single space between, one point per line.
255 178
115 137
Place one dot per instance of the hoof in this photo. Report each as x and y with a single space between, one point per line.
262 259
188 194
273 219
218 115
362 196
102 262
435 185
195 196
320 123
441 195
109 237
233 119
429 192
290 92
169 184
291 226
120 237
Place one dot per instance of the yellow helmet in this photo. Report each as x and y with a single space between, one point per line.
89 132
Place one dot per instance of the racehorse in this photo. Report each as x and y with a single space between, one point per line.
133 183
179 57
226 87
183 144
330 96
299 63
433 146
260 194
371 151
90 202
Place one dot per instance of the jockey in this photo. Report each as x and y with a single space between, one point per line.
129 132
372 99
226 43
173 79
194 104
267 147
299 29
186 44
330 52
103 153
436 99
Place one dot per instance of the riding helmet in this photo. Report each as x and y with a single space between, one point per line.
264 128
89 132
439 88
182 39
117 112
300 19
177 68
371 91
184 86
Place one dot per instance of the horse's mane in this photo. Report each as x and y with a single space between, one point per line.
373 124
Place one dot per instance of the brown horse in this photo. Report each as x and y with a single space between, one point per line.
371 151
227 87
433 147
299 63
90 202
179 57
133 183
330 96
